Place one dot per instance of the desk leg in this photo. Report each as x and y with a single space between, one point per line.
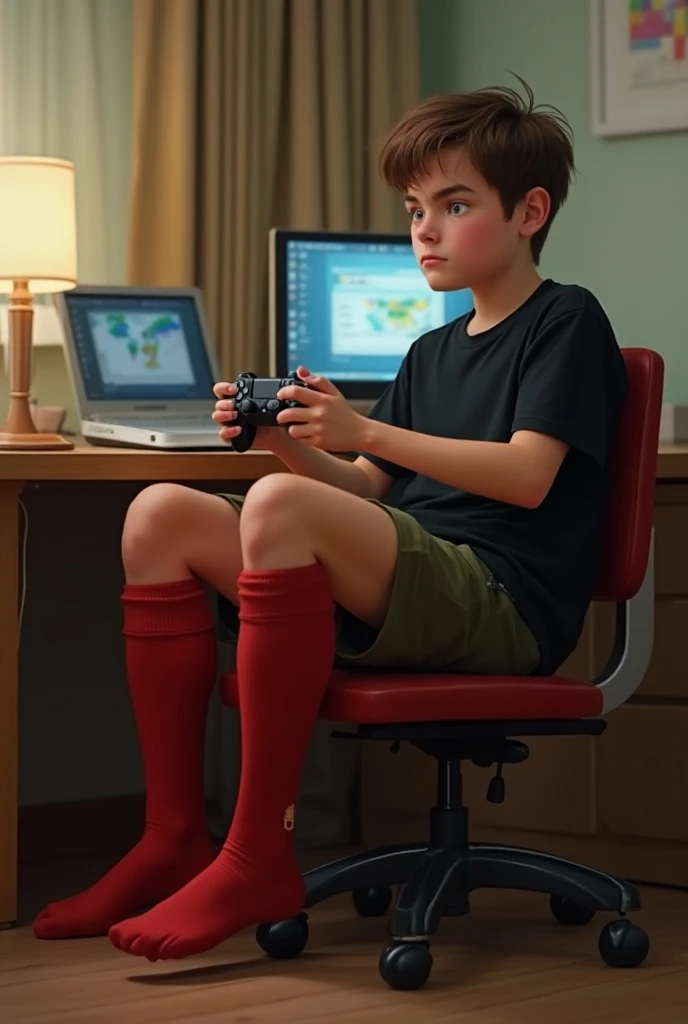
9 687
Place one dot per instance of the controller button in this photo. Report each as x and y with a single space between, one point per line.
247 406
273 405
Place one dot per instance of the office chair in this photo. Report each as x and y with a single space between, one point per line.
475 718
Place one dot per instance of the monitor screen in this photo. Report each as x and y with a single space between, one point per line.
138 347
349 306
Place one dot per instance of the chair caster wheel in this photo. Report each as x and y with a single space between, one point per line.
283 940
569 912
623 944
374 901
406 965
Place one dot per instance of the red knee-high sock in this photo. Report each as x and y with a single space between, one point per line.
284 659
171 658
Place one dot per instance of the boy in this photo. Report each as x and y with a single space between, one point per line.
502 423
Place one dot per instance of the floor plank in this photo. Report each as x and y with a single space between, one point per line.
508 961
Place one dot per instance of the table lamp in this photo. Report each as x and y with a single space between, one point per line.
37 255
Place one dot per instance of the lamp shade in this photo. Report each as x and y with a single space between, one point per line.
37 223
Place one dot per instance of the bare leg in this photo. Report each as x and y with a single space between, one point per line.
290 521
173 532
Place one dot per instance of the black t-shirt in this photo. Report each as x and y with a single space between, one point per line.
552 366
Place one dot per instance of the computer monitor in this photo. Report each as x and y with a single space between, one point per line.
349 306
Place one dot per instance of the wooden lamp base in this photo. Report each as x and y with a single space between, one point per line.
18 432
33 442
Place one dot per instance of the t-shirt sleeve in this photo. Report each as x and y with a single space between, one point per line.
394 407
570 375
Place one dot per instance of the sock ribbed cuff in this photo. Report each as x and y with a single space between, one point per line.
166 609
284 593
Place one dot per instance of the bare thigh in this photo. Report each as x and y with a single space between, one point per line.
173 532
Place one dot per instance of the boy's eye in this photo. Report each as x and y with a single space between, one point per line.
455 209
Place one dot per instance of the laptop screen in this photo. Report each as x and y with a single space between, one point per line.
133 348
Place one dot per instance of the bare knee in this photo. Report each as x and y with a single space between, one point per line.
172 532
154 523
273 498
277 516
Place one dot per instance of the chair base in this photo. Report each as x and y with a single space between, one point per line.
438 877
437 881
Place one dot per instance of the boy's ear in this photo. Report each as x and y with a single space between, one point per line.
534 210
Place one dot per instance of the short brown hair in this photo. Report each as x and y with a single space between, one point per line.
512 143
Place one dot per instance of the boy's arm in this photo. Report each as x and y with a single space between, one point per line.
518 472
360 477
570 375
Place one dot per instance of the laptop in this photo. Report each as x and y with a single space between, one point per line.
141 365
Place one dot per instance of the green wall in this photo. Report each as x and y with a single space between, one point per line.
624 230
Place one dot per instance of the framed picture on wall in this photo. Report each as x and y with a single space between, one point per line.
639 51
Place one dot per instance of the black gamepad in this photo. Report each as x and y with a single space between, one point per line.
257 405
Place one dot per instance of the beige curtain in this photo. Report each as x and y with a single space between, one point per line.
251 114
65 91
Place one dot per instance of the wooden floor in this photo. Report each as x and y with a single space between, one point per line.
508 962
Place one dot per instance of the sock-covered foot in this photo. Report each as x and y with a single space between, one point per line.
154 869
284 659
236 891
171 657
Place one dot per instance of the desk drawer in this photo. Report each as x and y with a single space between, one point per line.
642 782
667 675
671 564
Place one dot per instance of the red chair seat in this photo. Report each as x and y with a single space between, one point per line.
380 697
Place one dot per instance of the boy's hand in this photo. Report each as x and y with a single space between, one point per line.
267 438
327 421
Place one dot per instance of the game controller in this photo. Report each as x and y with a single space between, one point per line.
257 405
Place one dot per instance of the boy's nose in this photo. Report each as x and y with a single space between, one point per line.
427 231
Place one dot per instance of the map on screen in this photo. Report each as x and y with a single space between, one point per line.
141 348
382 314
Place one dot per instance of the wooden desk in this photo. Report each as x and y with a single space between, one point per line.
88 463
85 463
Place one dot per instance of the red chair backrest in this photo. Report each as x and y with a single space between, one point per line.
634 474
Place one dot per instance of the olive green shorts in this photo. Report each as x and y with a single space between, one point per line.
446 613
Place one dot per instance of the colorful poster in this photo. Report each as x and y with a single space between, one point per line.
640 65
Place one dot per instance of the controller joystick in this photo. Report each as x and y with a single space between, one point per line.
257 404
